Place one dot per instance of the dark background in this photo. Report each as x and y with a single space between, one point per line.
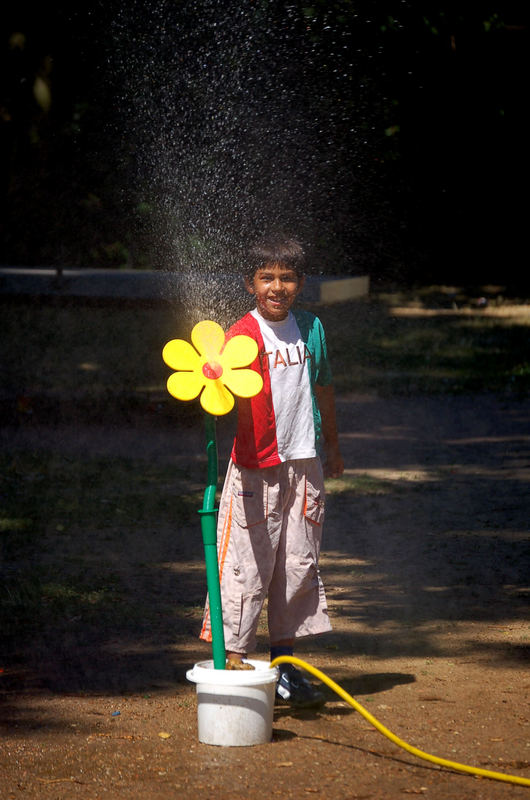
389 135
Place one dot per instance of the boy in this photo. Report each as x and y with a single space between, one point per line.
272 506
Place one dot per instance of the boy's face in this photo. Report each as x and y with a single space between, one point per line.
276 287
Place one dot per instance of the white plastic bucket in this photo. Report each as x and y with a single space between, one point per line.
234 707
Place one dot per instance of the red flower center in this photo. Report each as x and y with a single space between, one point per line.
212 370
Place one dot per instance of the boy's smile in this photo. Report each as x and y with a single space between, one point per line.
276 287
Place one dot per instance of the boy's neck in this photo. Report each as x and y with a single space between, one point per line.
274 323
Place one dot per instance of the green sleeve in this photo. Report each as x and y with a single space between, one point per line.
314 336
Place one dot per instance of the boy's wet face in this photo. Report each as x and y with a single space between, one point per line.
275 287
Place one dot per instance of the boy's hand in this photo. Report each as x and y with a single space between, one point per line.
334 463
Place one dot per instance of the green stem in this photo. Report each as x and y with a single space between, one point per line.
209 537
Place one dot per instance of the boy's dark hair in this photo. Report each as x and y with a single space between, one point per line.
275 250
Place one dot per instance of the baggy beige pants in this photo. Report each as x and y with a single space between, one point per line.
268 537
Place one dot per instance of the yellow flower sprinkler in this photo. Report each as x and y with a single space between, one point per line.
214 369
214 366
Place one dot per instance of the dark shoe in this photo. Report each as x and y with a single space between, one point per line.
296 690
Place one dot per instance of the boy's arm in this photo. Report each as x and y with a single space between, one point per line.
334 464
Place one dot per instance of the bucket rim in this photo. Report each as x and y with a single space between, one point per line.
203 672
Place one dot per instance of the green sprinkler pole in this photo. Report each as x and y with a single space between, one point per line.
208 514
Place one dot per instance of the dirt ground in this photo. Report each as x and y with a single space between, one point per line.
427 573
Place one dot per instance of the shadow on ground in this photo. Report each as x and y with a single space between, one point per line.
426 544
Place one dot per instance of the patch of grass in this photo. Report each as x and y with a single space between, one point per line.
112 356
46 490
372 348
70 530
360 485
85 352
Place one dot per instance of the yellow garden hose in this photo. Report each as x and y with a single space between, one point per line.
442 762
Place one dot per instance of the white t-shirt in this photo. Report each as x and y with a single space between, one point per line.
288 361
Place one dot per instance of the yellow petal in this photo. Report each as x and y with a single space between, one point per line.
216 399
179 354
244 382
240 351
209 338
185 385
